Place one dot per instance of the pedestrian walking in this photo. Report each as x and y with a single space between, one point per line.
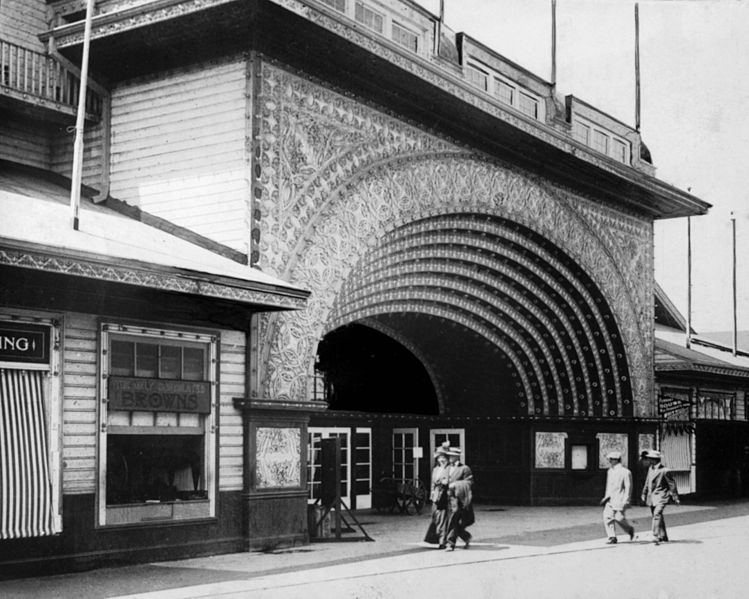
659 490
437 531
460 500
617 498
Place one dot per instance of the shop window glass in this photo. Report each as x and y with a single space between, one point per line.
158 443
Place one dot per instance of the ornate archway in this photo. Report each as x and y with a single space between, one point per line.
341 178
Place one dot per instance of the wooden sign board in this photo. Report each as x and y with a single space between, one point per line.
24 343
159 395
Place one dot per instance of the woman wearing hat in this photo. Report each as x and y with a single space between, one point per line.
437 531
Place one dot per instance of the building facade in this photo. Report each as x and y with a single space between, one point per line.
479 250
701 390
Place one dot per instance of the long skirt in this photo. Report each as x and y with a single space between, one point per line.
437 530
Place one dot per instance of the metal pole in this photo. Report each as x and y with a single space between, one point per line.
689 281
735 323
637 67
553 42
77 174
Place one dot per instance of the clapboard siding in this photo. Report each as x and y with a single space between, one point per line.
79 404
80 371
25 142
21 22
178 149
230 429
62 153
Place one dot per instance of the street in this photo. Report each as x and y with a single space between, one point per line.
539 552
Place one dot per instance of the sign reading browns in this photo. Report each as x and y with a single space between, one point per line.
159 395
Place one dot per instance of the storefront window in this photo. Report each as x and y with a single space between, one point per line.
157 446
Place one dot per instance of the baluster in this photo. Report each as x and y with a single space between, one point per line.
35 74
45 74
2 62
25 70
17 74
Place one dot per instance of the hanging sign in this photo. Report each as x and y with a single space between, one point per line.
159 395
24 343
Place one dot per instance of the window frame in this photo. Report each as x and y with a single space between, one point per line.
207 423
493 81
367 10
611 139
408 31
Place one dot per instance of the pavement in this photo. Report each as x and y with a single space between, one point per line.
513 536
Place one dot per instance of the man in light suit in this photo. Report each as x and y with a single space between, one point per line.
617 498
659 490
460 500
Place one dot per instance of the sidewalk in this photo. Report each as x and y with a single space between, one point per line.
512 530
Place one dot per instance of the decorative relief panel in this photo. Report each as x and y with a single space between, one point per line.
278 458
608 442
550 450
337 175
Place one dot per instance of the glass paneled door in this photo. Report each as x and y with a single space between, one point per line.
455 436
314 462
356 464
405 464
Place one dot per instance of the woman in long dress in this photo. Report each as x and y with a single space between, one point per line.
437 531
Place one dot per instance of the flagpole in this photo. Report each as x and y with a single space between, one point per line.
77 174
637 66
553 43
735 323
689 282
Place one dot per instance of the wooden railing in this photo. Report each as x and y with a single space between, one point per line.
41 79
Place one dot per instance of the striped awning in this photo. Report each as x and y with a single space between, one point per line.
25 488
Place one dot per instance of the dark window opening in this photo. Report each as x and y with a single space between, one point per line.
150 468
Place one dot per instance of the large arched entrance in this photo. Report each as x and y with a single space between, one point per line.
520 303
505 321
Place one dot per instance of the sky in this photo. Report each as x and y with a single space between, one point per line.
694 82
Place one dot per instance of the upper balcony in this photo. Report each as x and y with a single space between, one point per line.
41 85
397 54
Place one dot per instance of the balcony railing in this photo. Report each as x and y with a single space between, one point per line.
40 79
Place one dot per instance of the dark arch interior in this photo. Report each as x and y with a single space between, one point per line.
368 371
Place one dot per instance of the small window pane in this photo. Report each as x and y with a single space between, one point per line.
600 142
582 133
147 360
194 364
504 91
579 457
171 362
528 105
619 150
339 5
477 77
122 358
368 17
404 37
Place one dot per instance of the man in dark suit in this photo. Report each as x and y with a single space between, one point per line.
659 490
460 498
